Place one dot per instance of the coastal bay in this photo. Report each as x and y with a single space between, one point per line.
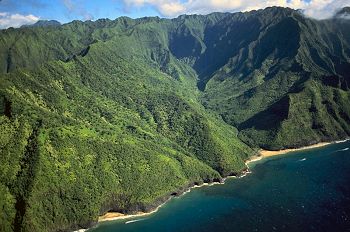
111 216
303 177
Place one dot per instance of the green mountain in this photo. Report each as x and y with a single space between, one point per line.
44 23
121 114
288 84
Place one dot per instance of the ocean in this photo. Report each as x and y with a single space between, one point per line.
300 191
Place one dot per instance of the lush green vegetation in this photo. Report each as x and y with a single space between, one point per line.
101 132
107 115
287 82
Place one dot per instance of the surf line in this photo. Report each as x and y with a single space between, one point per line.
136 220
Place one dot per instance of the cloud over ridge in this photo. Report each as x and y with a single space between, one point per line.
319 9
16 20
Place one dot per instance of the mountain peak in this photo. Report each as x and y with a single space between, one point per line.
343 13
44 23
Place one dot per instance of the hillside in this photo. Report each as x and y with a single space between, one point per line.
120 114
285 87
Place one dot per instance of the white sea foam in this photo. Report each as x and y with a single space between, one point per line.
345 149
301 160
136 220
244 174
342 141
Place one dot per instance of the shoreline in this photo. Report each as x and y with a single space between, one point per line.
113 216
268 153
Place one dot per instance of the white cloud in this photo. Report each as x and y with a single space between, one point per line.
77 7
345 16
16 20
170 8
322 9
164 7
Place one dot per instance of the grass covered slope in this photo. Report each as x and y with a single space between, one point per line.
286 87
102 132
120 114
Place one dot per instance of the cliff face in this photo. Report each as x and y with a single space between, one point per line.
288 85
119 114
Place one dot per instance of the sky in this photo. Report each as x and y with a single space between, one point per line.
14 13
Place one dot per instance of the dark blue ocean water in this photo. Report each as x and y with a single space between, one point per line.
300 192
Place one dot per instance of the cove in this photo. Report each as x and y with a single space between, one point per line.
299 191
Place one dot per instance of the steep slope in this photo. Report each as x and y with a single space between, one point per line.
121 114
105 130
274 89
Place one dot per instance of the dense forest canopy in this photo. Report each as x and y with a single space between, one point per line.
120 114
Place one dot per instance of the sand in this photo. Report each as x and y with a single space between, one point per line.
266 153
110 216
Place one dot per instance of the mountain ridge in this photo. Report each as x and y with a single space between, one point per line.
119 114
43 23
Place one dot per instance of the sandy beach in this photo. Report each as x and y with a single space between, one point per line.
110 216
267 153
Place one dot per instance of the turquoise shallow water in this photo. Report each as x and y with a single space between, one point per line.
301 191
